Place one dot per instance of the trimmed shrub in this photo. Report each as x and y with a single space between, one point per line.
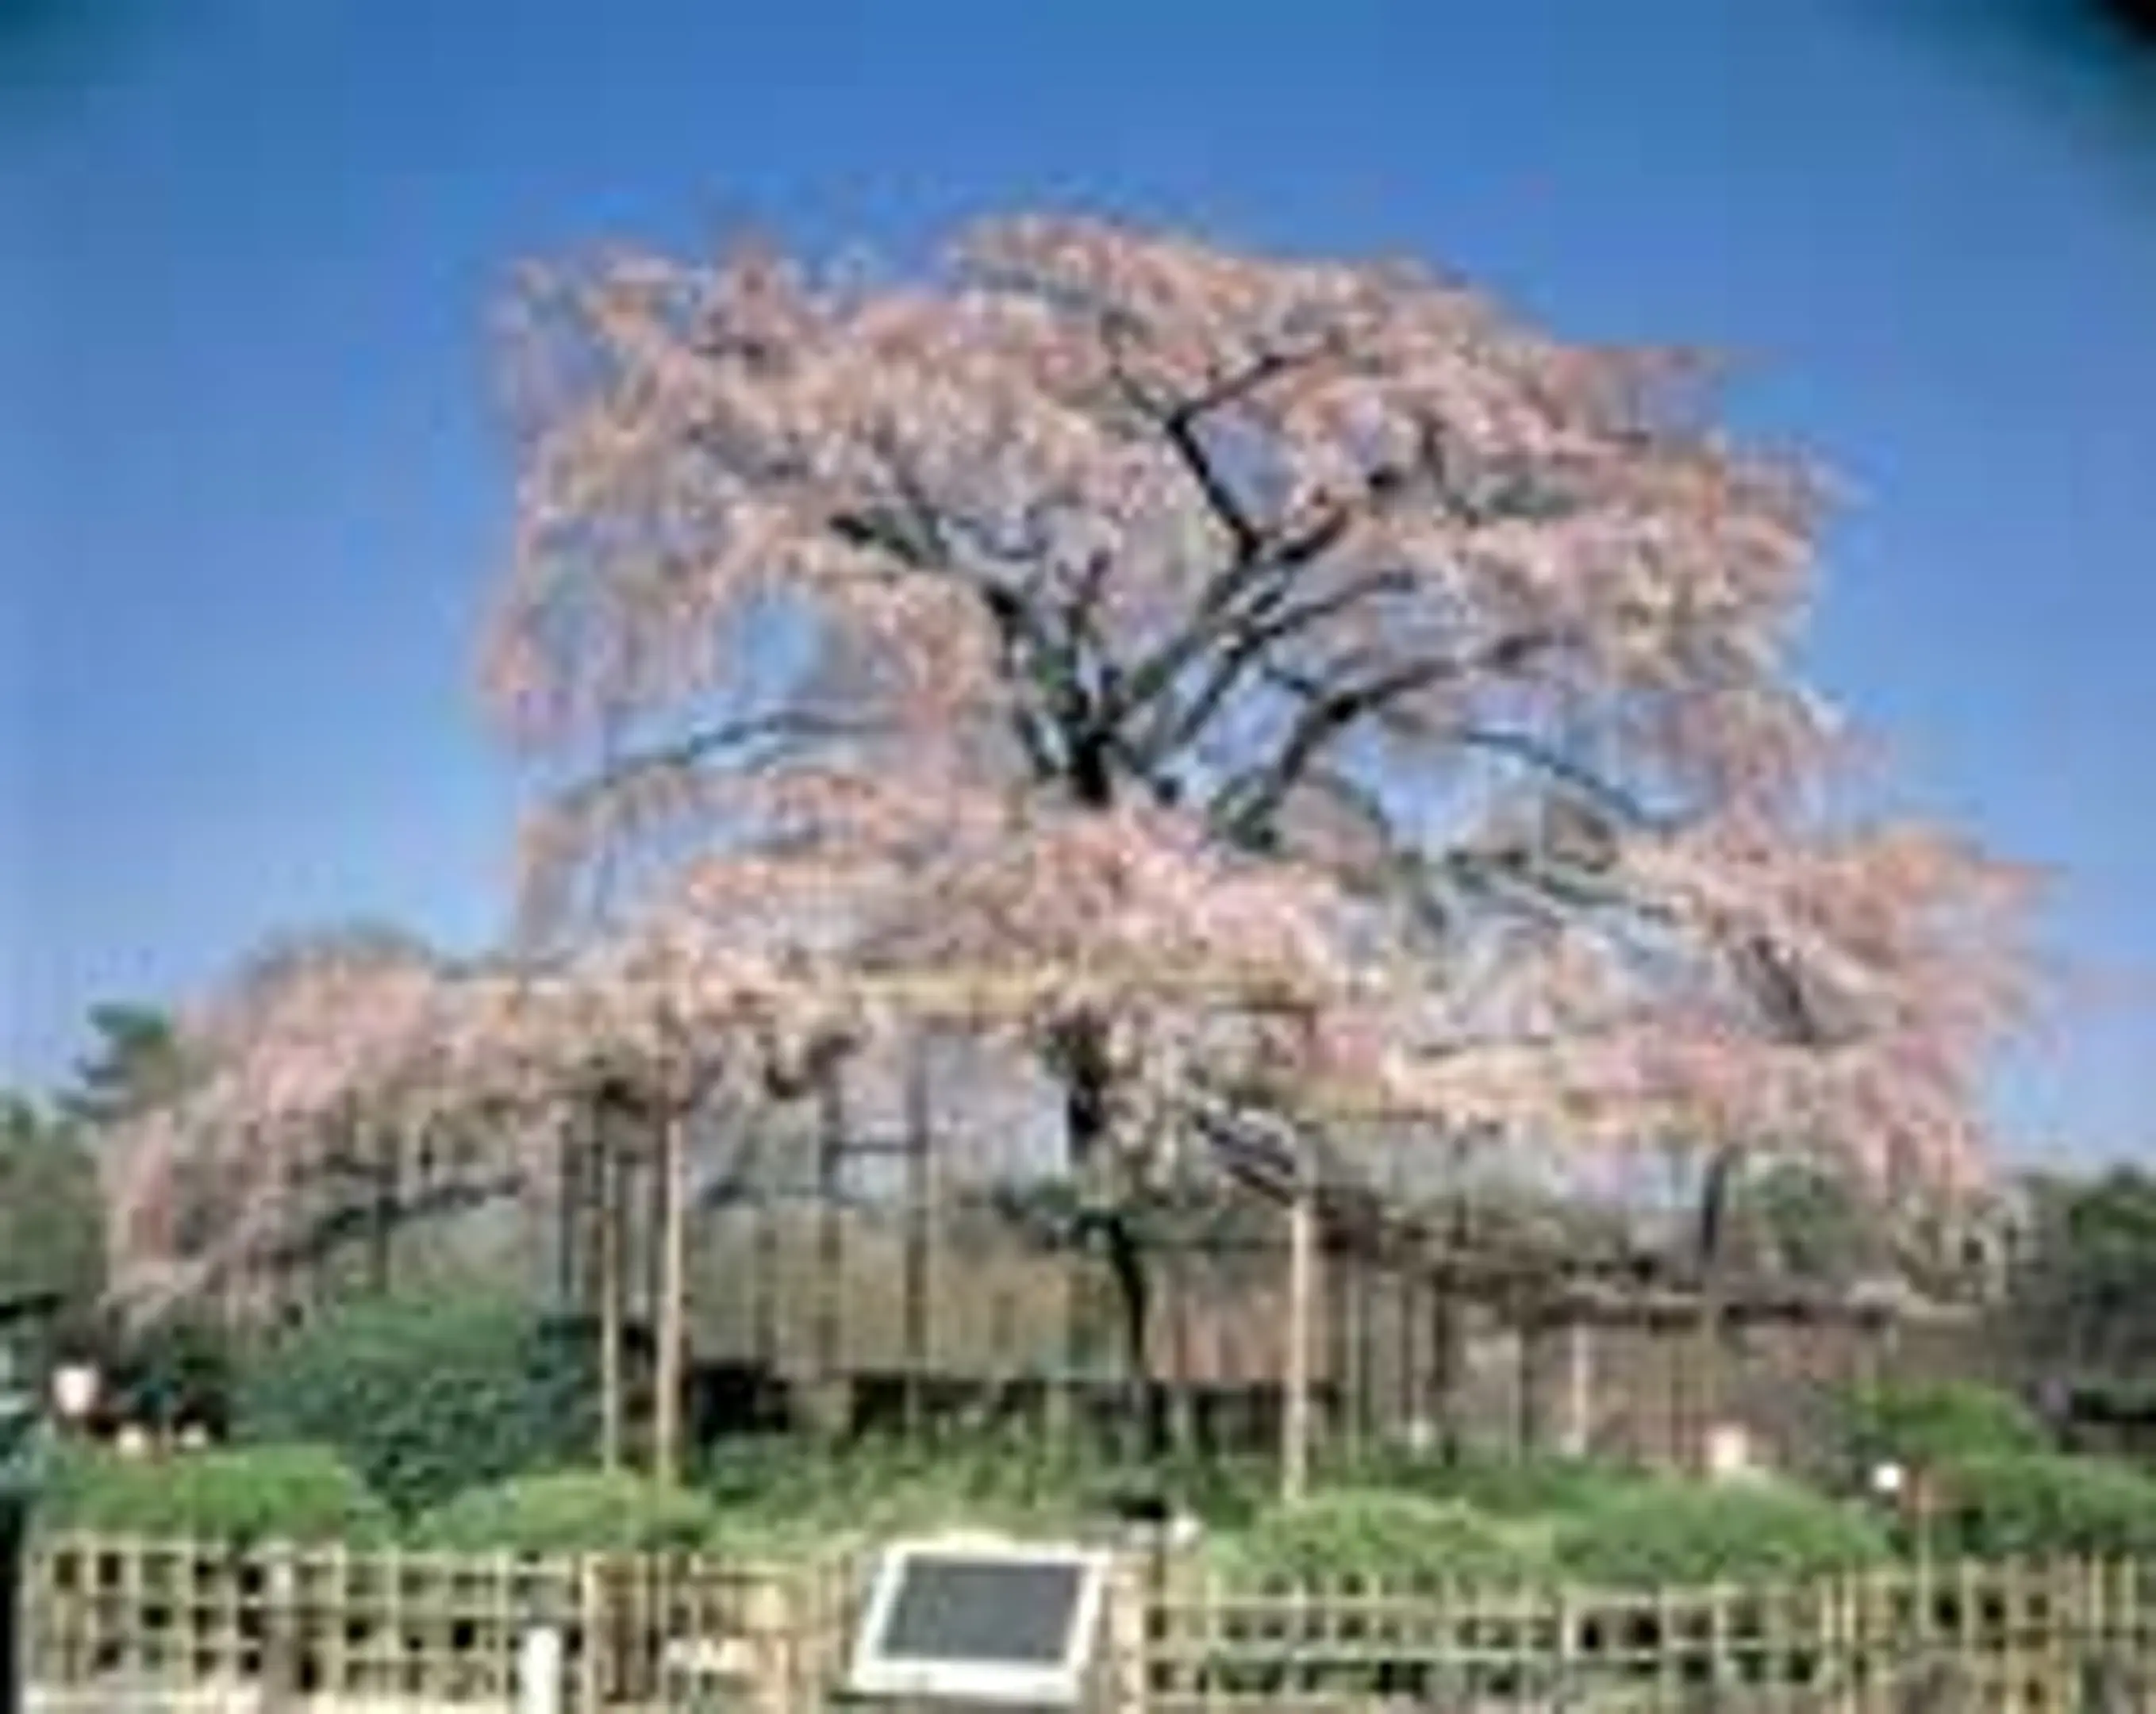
572 1512
2032 1506
1670 1533
1005 1480
1537 1486
782 1488
240 1494
428 1398
1367 1535
1939 1425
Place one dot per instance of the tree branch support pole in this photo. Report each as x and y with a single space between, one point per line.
607 1263
1302 1300
671 1358
830 1242
919 1238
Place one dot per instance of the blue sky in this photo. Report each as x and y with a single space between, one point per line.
253 486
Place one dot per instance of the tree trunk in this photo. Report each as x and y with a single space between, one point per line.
381 1212
672 1319
1082 1051
763 1285
1710 1257
1183 1397
1083 1060
1127 1267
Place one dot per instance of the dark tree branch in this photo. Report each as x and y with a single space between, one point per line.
1247 807
1239 384
1182 430
1182 422
1262 631
803 726
1546 758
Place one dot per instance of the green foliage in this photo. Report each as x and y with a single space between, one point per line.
2086 1299
19 1431
137 1064
2034 1505
1525 1487
241 1495
779 1490
428 1397
1667 1533
1222 1493
572 1512
1373 1536
1005 1481
52 1216
1811 1223
175 1372
1939 1425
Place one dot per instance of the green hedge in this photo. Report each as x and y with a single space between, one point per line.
236 1494
1534 1486
1935 1424
1004 1480
572 1512
1399 1540
2033 1506
425 1397
1668 1534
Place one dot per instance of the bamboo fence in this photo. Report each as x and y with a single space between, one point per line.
2067 1638
118 1626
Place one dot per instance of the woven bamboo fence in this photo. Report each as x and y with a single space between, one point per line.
144 1627
121 1625
2076 1638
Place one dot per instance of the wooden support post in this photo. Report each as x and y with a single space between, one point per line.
611 1367
1527 1380
1303 1303
1335 1378
1366 1348
919 1233
828 1334
1448 1340
671 1320
1407 1400
1576 1429
607 1261
568 1241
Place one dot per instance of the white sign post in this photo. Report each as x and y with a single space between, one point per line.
975 1619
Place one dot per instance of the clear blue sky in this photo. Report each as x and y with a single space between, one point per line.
253 486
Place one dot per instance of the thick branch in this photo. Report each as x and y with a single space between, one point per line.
800 724
1183 424
1247 807
1266 625
1545 757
